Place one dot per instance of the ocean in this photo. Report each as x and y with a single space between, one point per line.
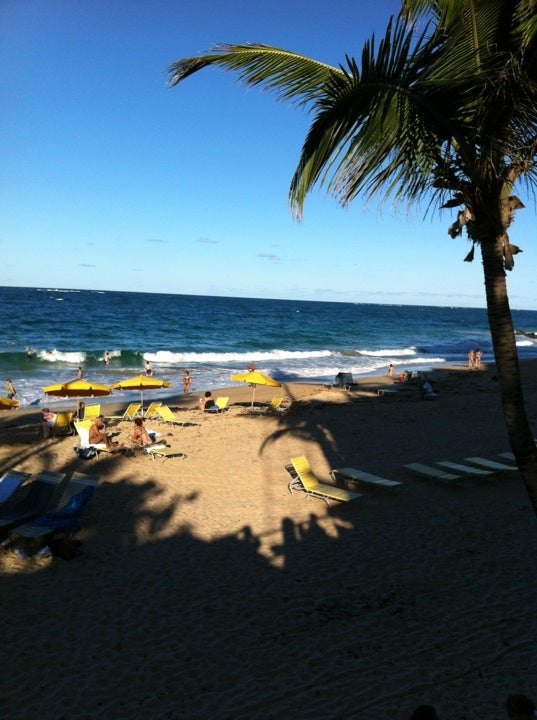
215 337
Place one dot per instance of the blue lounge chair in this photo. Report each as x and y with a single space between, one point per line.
66 518
10 481
36 501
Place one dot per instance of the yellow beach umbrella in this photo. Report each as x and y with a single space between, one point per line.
255 378
141 383
8 404
77 389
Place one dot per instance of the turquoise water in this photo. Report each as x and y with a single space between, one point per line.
215 337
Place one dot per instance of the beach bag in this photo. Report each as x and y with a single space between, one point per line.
87 453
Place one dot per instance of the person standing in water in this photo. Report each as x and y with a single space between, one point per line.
11 393
187 381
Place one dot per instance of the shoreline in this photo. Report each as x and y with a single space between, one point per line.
238 393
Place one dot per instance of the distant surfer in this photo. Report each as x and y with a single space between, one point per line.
106 358
29 352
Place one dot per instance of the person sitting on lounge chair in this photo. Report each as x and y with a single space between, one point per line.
99 436
207 403
47 423
140 435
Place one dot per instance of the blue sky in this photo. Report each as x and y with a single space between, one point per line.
110 180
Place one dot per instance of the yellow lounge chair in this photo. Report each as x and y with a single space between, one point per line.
91 412
305 480
167 416
63 424
220 405
130 413
151 412
273 406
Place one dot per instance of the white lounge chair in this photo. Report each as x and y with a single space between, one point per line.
361 476
431 472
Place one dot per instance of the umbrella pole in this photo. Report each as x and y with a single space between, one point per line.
253 395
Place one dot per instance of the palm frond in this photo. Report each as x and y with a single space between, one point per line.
292 76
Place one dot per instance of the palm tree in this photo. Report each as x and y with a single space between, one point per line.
444 114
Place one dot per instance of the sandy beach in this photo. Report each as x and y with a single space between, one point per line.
202 589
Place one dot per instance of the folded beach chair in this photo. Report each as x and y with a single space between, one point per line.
431 472
10 481
361 476
306 481
167 416
63 424
151 412
36 501
91 412
69 508
130 413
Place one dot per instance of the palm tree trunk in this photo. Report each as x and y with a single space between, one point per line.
507 366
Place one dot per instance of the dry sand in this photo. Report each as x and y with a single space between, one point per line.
202 589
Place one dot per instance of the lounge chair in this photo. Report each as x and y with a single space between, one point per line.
151 412
10 481
463 469
306 481
130 413
69 508
344 380
490 464
62 424
167 416
361 476
34 503
274 406
83 427
220 405
163 451
91 412
431 472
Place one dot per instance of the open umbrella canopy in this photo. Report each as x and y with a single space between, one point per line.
255 378
8 404
78 389
141 383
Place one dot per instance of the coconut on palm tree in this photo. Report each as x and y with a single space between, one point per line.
442 112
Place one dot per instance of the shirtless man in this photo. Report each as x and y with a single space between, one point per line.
98 435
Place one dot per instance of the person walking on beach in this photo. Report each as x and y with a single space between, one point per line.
187 381
10 390
79 374
390 370
477 361
148 368
251 366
